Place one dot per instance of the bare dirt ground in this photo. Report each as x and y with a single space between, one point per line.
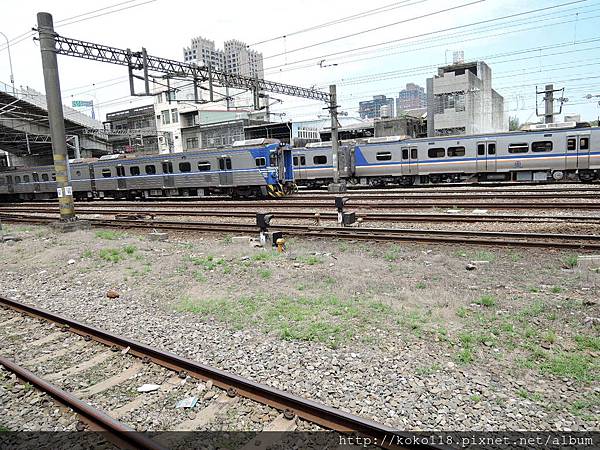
402 333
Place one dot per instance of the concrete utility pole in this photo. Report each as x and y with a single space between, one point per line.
335 143
12 77
549 104
55 116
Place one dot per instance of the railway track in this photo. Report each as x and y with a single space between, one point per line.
488 238
80 365
323 214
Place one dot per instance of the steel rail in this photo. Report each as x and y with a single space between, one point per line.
310 410
299 202
325 215
118 432
569 241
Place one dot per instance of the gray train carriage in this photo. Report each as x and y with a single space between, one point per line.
248 169
552 154
313 164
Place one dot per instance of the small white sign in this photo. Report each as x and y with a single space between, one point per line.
59 192
68 190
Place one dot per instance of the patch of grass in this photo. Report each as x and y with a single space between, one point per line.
130 249
112 255
207 262
533 310
556 289
475 398
462 312
343 247
265 273
329 280
515 257
523 393
326 318
465 356
549 336
3 429
421 285
311 260
109 235
265 255
534 290
87 254
587 342
392 254
428 370
572 365
199 276
483 255
486 300
570 262
466 339
227 240
580 406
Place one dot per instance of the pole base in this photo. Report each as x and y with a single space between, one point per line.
67 227
336 187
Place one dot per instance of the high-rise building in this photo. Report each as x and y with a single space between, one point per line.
460 100
235 58
378 107
413 97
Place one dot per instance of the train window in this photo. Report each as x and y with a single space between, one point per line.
295 162
584 143
302 160
413 153
518 148
404 153
228 163
491 149
185 167
45 177
53 176
320 159
134 171
167 167
106 173
78 173
17 179
260 162
384 156
25 178
150 169
436 152
456 151
203 166
36 177
571 144
541 146
480 149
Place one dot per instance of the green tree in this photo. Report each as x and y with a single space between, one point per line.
513 123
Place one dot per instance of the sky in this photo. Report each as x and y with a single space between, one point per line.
384 46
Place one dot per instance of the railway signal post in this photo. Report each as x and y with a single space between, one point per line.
336 186
56 119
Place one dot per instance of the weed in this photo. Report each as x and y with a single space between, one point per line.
311 260
343 247
533 310
466 339
208 262
421 285
227 240
87 254
265 255
109 235
476 398
570 262
521 392
534 290
462 312
486 300
507 327
227 270
130 249
329 280
465 356
199 276
556 289
265 273
549 336
392 254
515 257
428 370
3 429
483 255
111 255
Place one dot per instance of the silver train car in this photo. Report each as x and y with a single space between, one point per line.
256 168
557 152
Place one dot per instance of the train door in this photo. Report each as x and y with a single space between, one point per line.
121 181
583 151
92 178
300 166
486 157
413 166
9 183
225 173
36 181
168 179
